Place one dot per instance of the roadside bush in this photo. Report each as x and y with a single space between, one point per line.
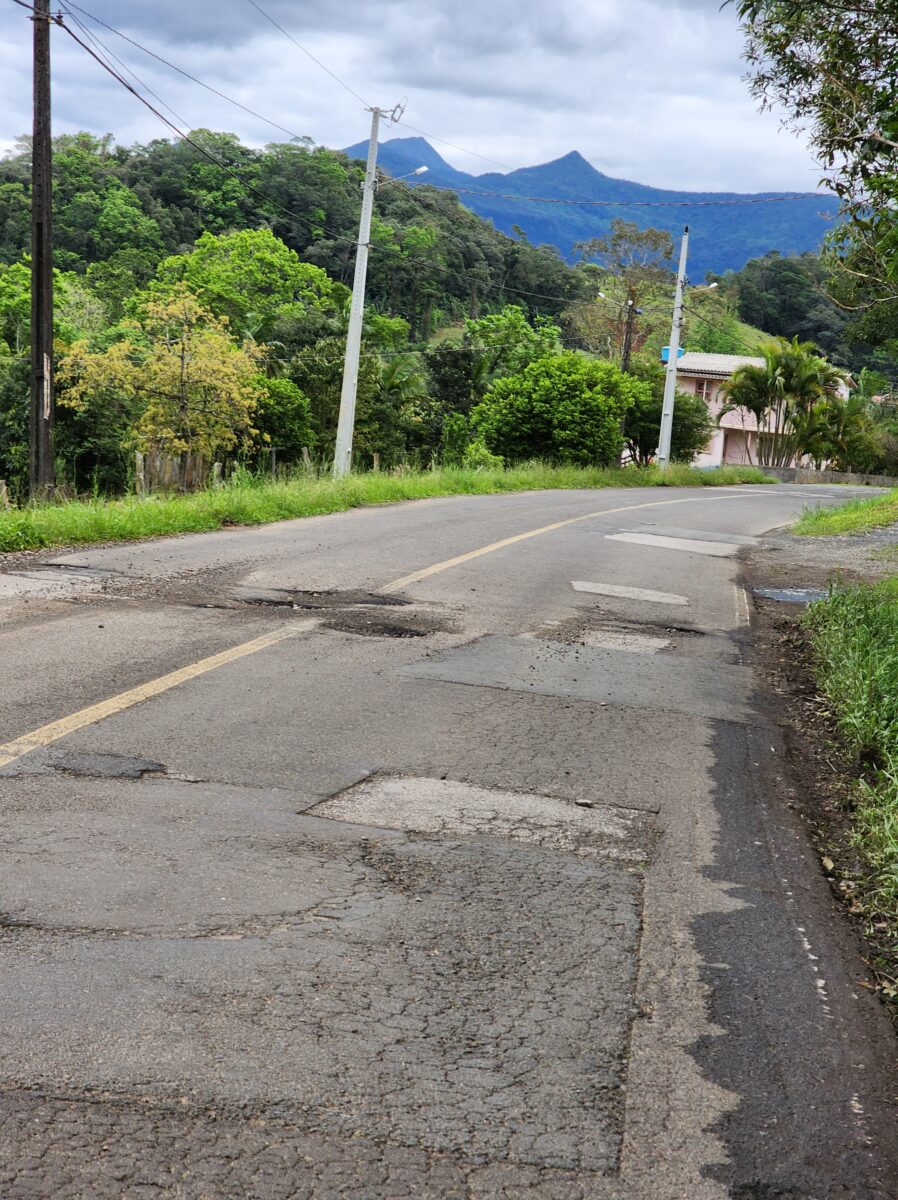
563 409
456 437
478 458
283 418
692 424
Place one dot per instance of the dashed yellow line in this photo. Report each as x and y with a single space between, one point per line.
47 734
12 751
416 576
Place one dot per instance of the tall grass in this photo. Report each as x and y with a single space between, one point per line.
855 638
857 516
247 500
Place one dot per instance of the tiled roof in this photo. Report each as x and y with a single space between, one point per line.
719 366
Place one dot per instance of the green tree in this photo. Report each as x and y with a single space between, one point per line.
692 424
248 276
784 396
832 69
509 342
566 408
122 225
283 418
458 376
15 306
317 371
196 388
637 255
15 379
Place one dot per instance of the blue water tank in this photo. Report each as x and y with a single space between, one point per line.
665 353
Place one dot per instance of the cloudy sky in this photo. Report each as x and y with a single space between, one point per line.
649 90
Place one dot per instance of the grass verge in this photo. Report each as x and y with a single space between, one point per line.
854 633
857 516
250 501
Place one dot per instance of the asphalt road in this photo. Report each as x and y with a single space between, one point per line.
396 854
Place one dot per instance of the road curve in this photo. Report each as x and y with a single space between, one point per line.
432 850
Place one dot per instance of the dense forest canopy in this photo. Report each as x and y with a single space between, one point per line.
120 210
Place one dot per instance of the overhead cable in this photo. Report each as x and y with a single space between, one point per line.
342 82
187 75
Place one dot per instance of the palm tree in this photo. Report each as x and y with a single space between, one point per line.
784 396
401 380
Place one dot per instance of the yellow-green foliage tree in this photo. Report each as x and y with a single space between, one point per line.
196 389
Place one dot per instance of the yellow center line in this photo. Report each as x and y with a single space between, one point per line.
12 751
38 738
416 576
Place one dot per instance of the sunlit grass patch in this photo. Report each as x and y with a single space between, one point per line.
857 516
249 500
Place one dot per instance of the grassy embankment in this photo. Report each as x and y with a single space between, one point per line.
857 516
854 633
249 501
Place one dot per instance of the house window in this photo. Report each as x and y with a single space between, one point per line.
705 388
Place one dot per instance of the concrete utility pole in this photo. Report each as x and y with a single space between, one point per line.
42 475
346 422
670 379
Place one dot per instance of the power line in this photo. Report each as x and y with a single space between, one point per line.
306 221
464 150
720 329
309 53
109 54
622 203
180 70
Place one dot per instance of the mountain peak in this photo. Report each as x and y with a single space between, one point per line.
415 151
722 238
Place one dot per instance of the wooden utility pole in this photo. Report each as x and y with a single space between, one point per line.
628 331
43 409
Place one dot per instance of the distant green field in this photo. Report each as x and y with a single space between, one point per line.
753 338
257 501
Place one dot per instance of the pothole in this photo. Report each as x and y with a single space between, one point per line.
325 598
366 625
605 631
61 570
87 765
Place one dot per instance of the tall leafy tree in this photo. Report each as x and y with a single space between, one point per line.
249 277
195 388
834 69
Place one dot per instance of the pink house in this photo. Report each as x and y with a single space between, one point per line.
736 438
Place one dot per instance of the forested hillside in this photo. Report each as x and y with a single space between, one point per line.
121 210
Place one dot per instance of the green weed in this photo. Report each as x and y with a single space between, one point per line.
854 633
247 500
857 516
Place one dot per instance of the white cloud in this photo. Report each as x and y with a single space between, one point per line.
649 90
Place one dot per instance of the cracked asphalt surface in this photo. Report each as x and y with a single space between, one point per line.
483 890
